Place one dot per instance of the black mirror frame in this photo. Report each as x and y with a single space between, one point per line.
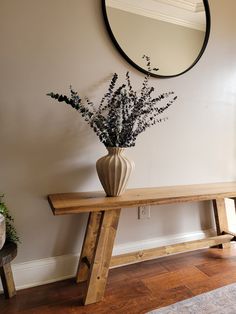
208 27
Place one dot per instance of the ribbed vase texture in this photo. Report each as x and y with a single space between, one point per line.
2 230
114 171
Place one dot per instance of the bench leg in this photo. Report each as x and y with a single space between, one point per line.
88 247
7 281
221 219
98 243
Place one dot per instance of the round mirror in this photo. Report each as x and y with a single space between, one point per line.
173 33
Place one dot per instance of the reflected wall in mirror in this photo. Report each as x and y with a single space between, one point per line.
173 33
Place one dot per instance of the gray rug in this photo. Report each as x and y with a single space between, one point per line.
219 301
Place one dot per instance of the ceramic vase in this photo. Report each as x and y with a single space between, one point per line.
2 230
114 171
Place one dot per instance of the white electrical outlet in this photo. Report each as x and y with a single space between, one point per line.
144 212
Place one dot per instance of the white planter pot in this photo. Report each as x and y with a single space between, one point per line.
2 230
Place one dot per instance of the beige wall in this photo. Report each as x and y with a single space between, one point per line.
172 48
47 45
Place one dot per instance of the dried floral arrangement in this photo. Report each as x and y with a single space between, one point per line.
123 113
11 234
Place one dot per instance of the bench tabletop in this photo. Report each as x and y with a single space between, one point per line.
80 202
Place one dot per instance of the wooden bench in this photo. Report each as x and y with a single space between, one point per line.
104 212
7 254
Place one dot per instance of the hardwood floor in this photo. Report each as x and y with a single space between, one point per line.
134 289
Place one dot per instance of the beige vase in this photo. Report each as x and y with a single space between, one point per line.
114 170
2 230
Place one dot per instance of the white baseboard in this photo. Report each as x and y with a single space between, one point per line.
52 269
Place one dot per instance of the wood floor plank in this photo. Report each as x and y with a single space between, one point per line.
218 268
174 279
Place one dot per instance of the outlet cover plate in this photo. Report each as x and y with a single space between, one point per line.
144 212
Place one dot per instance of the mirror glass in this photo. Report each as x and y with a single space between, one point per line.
173 33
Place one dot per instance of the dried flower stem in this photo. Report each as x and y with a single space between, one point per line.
123 113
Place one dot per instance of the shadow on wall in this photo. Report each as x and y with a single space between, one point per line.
44 152
177 219
53 150
206 215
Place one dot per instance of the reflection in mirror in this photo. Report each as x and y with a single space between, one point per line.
173 33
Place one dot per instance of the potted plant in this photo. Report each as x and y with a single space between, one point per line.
7 229
121 116
2 230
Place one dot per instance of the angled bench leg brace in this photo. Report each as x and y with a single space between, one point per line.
221 219
96 253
